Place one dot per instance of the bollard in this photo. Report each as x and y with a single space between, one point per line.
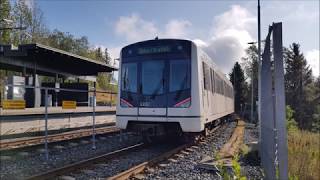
46 124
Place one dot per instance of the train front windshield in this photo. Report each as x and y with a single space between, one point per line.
156 77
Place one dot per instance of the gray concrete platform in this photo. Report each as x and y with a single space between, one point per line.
54 110
32 120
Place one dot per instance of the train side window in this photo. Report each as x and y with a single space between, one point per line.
212 80
218 89
203 73
206 76
215 83
223 88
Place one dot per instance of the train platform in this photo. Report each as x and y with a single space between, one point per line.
28 121
54 110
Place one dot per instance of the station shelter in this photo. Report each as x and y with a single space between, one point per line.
34 60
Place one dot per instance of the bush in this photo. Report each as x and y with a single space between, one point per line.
292 125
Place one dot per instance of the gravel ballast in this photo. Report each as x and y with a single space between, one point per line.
119 164
32 161
250 163
186 167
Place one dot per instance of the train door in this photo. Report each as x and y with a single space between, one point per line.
206 81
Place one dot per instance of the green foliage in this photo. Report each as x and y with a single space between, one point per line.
316 119
36 31
298 84
238 81
237 168
250 65
291 123
4 14
244 150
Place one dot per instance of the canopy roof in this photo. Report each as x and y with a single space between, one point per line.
45 60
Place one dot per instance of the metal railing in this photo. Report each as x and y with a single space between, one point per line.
44 92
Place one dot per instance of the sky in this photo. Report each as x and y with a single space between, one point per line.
222 28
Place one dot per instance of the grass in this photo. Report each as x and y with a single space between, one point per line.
304 155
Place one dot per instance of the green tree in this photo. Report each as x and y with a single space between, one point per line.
5 9
38 29
250 65
298 81
98 54
239 86
22 17
107 56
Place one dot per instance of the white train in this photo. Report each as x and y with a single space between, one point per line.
170 85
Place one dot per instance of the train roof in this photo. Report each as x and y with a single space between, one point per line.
158 40
182 41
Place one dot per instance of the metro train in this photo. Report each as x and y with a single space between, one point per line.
170 86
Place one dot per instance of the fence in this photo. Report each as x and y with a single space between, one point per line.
49 119
273 137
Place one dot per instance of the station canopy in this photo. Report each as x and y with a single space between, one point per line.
48 61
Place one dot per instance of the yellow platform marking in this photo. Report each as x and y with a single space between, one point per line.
69 104
14 104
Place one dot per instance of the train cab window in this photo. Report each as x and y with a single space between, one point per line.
152 77
179 75
129 77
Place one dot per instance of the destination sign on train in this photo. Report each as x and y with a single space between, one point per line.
152 50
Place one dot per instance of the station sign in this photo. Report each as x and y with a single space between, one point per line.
14 104
69 104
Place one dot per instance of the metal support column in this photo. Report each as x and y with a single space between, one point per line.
56 91
94 117
280 116
46 124
267 148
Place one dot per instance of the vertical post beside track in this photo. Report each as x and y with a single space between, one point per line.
46 124
94 117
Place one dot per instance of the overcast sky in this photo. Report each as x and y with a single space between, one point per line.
223 28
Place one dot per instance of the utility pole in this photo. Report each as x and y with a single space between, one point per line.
259 69
251 119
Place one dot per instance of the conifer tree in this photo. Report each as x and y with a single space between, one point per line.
298 77
239 86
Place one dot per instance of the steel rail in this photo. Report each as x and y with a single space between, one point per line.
23 142
141 167
78 165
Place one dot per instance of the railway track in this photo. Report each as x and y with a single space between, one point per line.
85 163
24 142
107 158
141 167
119 164
117 155
165 156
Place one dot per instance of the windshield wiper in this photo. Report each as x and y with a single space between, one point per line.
157 89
